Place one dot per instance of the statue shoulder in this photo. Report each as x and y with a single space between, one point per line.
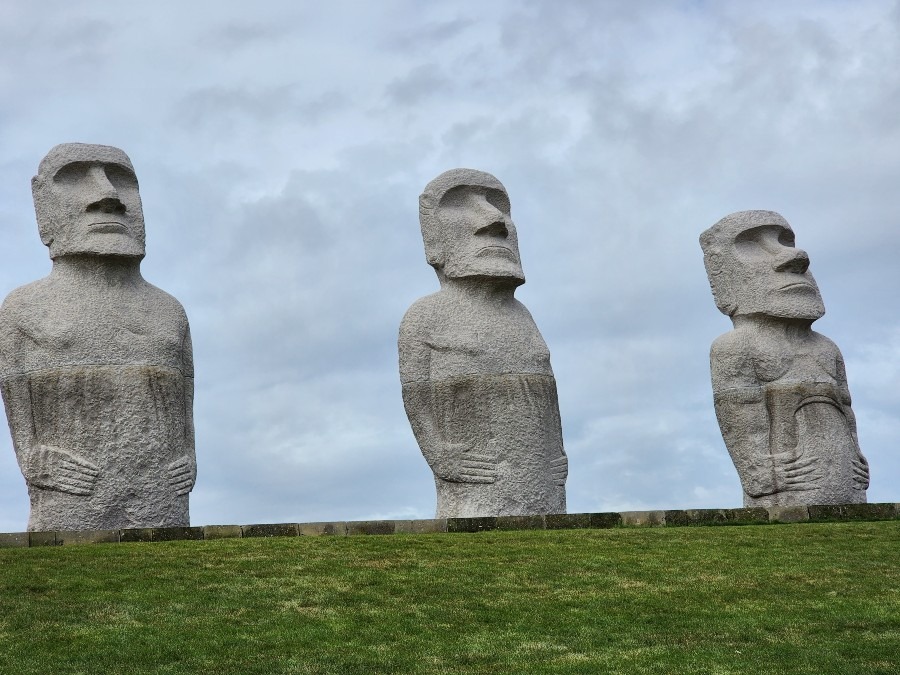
164 303
421 315
26 305
731 361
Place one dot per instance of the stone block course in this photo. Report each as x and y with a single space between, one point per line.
643 518
222 532
177 533
830 512
136 534
471 524
430 526
370 527
568 521
336 528
14 540
273 530
70 537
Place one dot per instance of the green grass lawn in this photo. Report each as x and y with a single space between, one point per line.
810 598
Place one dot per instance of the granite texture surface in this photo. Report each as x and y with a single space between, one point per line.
96 368
780 388
477 383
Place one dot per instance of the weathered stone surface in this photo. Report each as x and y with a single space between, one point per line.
484 524
788 514
643 518
14 540
96 367
177 533
370 527
426 526
222 532
70 537
42 538
828 512
337 528
747 516
780 388
273 530
520 523
568 521
477 384
136 534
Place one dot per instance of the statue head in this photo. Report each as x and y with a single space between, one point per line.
754 268
467 228
86 201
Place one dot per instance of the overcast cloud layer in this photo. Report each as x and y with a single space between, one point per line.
281 148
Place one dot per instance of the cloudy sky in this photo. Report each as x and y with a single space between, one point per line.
281 148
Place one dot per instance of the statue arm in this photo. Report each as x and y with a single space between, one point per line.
453 462
183 471
860 463
745 420
43 466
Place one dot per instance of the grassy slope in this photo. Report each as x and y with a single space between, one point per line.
798 598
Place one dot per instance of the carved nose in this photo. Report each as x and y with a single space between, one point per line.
798 263
107 205
495 229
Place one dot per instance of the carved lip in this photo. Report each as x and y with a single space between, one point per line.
108 227
507 253
798 284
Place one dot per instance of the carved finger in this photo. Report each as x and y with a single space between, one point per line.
183 488
802 483
559 481
79 461
65 473
559 460
473 457
468 478
79 467
181 472
75 481
801 462
799 471
75 488
478 465
482 473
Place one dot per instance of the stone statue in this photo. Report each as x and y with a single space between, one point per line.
95 363
780 388
477 384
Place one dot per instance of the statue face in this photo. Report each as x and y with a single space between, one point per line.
771 276
90 205
479 238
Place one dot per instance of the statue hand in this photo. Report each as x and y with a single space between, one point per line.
54 469
459 464
861 472
559 470
183 474
788 473
793 473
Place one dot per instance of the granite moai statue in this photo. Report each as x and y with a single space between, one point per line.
779 387
95 363
477 384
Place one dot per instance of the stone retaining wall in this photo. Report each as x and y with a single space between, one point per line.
674 518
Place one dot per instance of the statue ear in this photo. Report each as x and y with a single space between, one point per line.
38 186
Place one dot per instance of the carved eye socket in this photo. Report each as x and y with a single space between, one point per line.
786 238
763 242
498 200
71 173
121 177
